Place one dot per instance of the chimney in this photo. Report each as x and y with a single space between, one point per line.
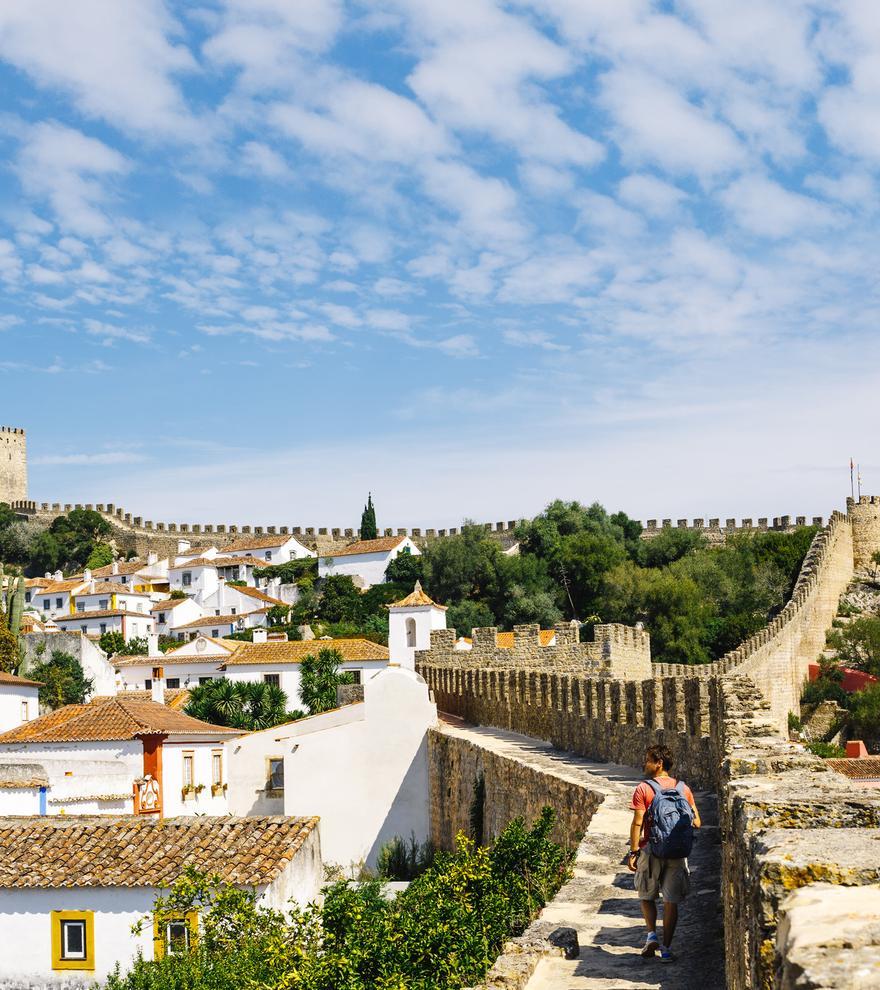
48 575
58 576
260 635
157 691
115 567
152 558
221 594
153 645
87 575
91 581
183 547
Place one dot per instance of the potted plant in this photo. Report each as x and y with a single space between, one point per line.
218 790
186 791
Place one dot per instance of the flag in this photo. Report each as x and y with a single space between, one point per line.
851 465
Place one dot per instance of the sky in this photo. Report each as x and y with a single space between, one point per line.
260 257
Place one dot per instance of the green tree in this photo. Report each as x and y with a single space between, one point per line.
101 556
865 715
669 545
340 599
10 657
251 705
858 644
76 534
320 675
466 616
63 679
368 520
405 569
113 643
7 516
45 553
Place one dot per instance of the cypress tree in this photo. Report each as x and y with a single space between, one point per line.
368 520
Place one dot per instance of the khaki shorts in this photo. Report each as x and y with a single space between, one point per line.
655 875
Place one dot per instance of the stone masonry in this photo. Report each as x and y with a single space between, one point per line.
13 464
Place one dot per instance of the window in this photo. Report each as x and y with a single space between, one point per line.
205 680
188 779
103 627
73 940
24 711
215 633
217 766
410 632
275 776
355 676
268 555
173 936
161 617
84 629
47 604
125 580
59 602
273 679
148 684
216 611
233 611
187 579
141 607
173 682
27 596
103 603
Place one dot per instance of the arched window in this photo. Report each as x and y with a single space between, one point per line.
410 632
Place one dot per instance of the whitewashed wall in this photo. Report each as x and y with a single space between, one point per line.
425 618
172 779
369 567
14 699
289 674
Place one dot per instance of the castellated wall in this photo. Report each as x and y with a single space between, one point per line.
13 464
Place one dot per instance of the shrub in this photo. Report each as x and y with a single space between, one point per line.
858 644
63 680
865 714
402 860
826 750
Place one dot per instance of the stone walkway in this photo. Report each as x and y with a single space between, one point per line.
600 901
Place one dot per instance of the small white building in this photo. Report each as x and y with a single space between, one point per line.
132 625
277 662
19 700
146 577
231 599
94 754
367 560
271 549
218 626
23 789
53 599
410 622
201 576
102 595
195 662
172 612
72 888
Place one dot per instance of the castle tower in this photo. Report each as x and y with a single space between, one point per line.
13 464
410 622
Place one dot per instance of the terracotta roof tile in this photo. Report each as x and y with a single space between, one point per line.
100 613
134 851
352 650
226 645
168 604
416 599
259 595
111 588
15 679
218 562
122 567
175 698
258 543
57 587
382 545
115 719
210 620
863 768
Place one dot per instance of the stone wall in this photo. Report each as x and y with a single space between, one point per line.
864 515
13 464
466 778
616 651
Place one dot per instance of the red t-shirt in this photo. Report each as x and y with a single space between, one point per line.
644 795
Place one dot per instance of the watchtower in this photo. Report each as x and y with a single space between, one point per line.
13 464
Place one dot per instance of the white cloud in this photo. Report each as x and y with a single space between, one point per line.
108 332
532 338
110 457
63 166
261 158
651 195
766 208
115 59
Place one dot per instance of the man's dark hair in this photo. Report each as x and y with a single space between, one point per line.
660 754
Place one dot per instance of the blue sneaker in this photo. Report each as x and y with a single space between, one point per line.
666 955
652 944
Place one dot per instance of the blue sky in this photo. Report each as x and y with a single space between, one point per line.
259 256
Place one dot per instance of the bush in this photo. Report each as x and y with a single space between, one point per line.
826 750
858 644
401 860
442 933
63 680
865 714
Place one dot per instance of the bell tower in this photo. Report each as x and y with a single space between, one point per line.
13 464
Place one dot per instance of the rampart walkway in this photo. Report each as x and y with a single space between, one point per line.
600 902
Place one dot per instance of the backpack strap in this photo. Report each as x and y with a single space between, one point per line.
655 787
680 788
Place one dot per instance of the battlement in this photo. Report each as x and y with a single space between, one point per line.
12 429
716 530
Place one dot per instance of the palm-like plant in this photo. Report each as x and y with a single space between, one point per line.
319 678
239 705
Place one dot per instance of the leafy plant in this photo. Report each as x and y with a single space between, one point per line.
319 677
826 750
250 705
858 644
368 521
63 680
402 860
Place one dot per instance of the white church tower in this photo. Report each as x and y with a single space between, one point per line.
410 622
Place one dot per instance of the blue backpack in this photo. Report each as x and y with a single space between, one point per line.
670 823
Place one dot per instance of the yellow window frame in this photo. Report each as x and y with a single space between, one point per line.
161 924
57 917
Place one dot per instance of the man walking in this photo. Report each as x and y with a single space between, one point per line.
660 837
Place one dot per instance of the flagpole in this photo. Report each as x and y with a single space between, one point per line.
852 489
859 479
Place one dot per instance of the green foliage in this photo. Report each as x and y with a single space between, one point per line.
101 556
443 932
319 677
826 750
477 811
64 681
794 722
251 705
176 593
466 616
236 584
15 604
669 545
405 569
16 545
402 860
340 599
291 572
112 643
368 520
70 540
864 716
9 652
7 516
277 615
857 644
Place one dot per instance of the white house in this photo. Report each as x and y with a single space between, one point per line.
150 576
217 626
132 625
72 888
201 576
272 549
367 560
174 611
102 595
194 662
53 599
379 749
23 789
94 755
19 700
231 599
410 622
277 662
